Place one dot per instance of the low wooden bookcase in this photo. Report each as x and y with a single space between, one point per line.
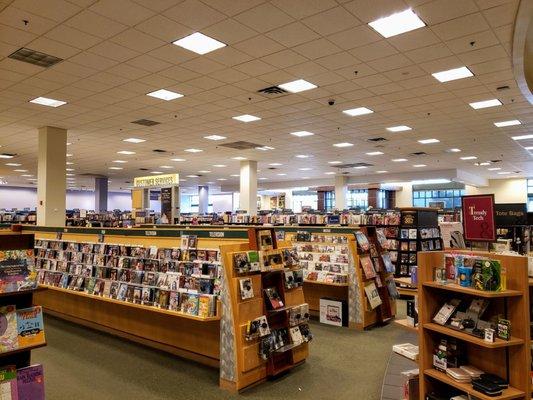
509 359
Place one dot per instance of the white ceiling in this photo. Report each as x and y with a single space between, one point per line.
116 51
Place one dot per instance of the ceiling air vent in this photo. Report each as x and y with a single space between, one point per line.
495 161
241 145
354 165
272 168
35 57
272 91
419 153
159 151
377 139
145 122
143 169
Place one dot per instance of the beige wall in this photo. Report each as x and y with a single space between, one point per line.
505 190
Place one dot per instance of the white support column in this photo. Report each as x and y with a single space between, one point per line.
51 176
203 199
248 187
341 192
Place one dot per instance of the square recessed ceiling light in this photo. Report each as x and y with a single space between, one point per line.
299 85
354 112
381 172
120 161
428 141
360 167
454 150
302 156
155 172
275 164
215 137
43 101
511 122
10 164
219 165
493 169
239 158
329 173
193 150
6 156
166 166
503 173
334 162
343 144
305 169
397 24
281 174
235 175
485 104
419 165
264 148
115 168
483 164
178 159
469 158
523 137
527 148
134 140
399 159
221 179
126 152
69 163
399 128
192 176
199 43
69 169
246 118
302 133
70 155
374 153
21 170
262 179
164 94
453 74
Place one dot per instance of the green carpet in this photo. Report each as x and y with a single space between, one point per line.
83 364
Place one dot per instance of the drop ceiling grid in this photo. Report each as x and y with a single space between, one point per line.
125 83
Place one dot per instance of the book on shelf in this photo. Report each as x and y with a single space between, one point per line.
372 295
265 240
8 383
273 297
30 383
17 270
30 326
8 329
368 267
246 288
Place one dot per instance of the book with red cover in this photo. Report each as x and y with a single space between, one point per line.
368 267
274 298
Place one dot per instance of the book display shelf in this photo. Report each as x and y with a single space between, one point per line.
22 321
264 326
162 284
504 352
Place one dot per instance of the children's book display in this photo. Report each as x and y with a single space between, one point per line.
185 279
20 328
324 258
480 273
17 270
22 384
271 324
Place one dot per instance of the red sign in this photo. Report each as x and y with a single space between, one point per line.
478 218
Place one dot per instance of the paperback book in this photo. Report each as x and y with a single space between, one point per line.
8 329
30 383
30 326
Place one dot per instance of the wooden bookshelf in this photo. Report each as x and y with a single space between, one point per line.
404 324
507 359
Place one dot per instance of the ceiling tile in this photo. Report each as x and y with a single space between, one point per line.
370 10
461 26
259 46
438 11
293 34
232 7
284 59
331 21
264 18
229 31
194 14
15 17
72 37
373 51
123 11
354 37
317 49
57 10
95 24
303 8
164 28
114 51
138 41
501 15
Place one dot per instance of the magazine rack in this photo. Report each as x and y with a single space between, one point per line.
20 357
509 359
241 364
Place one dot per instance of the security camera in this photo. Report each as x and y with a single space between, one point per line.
331 102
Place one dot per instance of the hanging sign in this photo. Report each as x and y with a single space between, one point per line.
156 181
478 218
508 214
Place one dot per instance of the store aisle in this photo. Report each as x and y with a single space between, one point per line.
83 364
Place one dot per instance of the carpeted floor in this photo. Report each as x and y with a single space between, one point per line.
83 364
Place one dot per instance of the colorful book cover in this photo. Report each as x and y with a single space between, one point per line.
8 383
203 306
17 270
30 326
368 267
30 383
8 329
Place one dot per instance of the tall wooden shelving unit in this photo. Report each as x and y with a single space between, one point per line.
241 363
507 359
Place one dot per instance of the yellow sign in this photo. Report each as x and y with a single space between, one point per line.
156 181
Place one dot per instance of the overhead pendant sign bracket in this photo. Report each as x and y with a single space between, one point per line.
156 181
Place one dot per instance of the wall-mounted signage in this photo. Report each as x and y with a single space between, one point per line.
156 181
508 214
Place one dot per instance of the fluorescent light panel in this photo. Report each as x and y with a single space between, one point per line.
343 144
399 128
246 118
215 137
428 141
296 86
511 122
399 159
453 74
397 23
199 43
302 133
522 137
134 140
193 150
485 104
164 94
469 158
126 152
354 112
44 101
239 158
374 153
